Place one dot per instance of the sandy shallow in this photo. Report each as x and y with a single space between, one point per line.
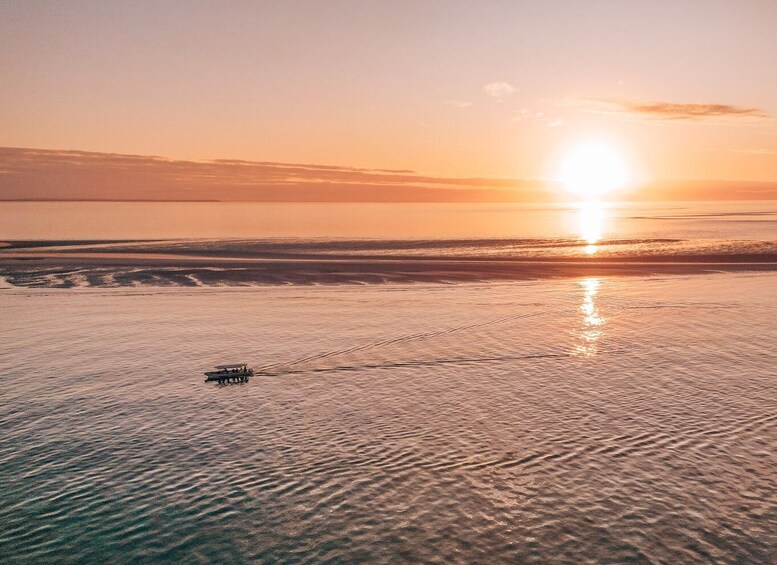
204 263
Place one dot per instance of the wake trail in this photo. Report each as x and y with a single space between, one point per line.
440 361
400 339
422 363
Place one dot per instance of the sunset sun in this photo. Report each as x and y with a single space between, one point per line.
593 169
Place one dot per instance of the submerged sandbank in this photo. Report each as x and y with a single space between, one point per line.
225 262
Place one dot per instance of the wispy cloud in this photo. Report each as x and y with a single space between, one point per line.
525 114
40 174
757 151
458 103
498 89
670 110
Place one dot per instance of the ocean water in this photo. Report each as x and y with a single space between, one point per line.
737 220
580 417
583 420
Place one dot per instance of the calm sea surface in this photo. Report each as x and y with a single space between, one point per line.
147 220
580 420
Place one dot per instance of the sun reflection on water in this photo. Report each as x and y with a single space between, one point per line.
592 325
590 220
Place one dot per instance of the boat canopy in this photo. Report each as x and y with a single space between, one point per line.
232 366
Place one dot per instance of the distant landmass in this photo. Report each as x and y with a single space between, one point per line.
58 175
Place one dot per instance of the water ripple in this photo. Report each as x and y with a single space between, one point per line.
473 423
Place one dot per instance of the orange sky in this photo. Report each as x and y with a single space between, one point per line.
451 90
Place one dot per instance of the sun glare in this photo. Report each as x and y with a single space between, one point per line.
591 221
592 170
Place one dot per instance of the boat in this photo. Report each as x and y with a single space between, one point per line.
233 373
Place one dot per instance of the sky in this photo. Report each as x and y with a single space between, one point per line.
485 94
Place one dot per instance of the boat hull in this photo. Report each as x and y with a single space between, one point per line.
230 376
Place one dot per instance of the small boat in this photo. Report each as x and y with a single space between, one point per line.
234 373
